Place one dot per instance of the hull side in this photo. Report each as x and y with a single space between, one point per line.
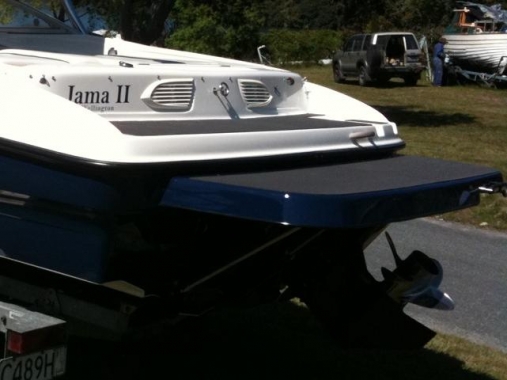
478 52
92 244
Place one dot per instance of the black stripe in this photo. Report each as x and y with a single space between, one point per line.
262 124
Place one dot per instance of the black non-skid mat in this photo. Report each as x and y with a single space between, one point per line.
340 195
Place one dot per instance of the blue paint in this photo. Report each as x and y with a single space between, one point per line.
323 210
67 244
53 185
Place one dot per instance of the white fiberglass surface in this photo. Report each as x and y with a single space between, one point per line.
34 117
55 87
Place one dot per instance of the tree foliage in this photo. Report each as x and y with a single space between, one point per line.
228 28
142 21
306 45
235 28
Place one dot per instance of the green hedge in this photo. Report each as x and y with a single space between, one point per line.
285 46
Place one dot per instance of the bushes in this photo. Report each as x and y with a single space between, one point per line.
223 28
235 28
204 29
305 45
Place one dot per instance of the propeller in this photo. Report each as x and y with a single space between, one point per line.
416 280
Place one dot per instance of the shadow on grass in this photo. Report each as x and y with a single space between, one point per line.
389 84
410 116
278 341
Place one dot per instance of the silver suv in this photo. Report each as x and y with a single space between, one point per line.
378 57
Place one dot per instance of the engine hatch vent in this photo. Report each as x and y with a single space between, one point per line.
174 95
254 93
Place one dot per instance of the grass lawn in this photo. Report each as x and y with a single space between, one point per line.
462 123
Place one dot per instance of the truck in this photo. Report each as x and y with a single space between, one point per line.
378 57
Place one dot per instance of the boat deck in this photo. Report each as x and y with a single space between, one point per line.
346 195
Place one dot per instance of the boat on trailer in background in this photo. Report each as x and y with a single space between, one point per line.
146 184
477 38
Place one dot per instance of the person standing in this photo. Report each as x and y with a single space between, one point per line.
438 62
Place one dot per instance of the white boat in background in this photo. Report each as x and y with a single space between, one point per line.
477 37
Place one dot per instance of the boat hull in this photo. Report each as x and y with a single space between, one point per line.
90 232
482 52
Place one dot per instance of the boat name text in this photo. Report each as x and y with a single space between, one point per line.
121 95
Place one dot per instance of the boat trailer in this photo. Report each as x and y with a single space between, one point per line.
483 79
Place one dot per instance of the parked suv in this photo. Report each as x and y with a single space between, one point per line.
378 57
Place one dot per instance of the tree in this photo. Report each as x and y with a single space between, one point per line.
235 28
418 15
198 29
223 27
281 14
142 21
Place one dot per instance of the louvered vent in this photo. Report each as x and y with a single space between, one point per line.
176 95
254 93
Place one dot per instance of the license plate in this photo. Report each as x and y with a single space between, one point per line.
43 365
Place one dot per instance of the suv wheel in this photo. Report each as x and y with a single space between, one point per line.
364 78
338 73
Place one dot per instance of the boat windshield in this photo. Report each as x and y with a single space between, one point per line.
49 17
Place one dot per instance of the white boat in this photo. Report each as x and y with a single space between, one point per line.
185 181
192 107
477 38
